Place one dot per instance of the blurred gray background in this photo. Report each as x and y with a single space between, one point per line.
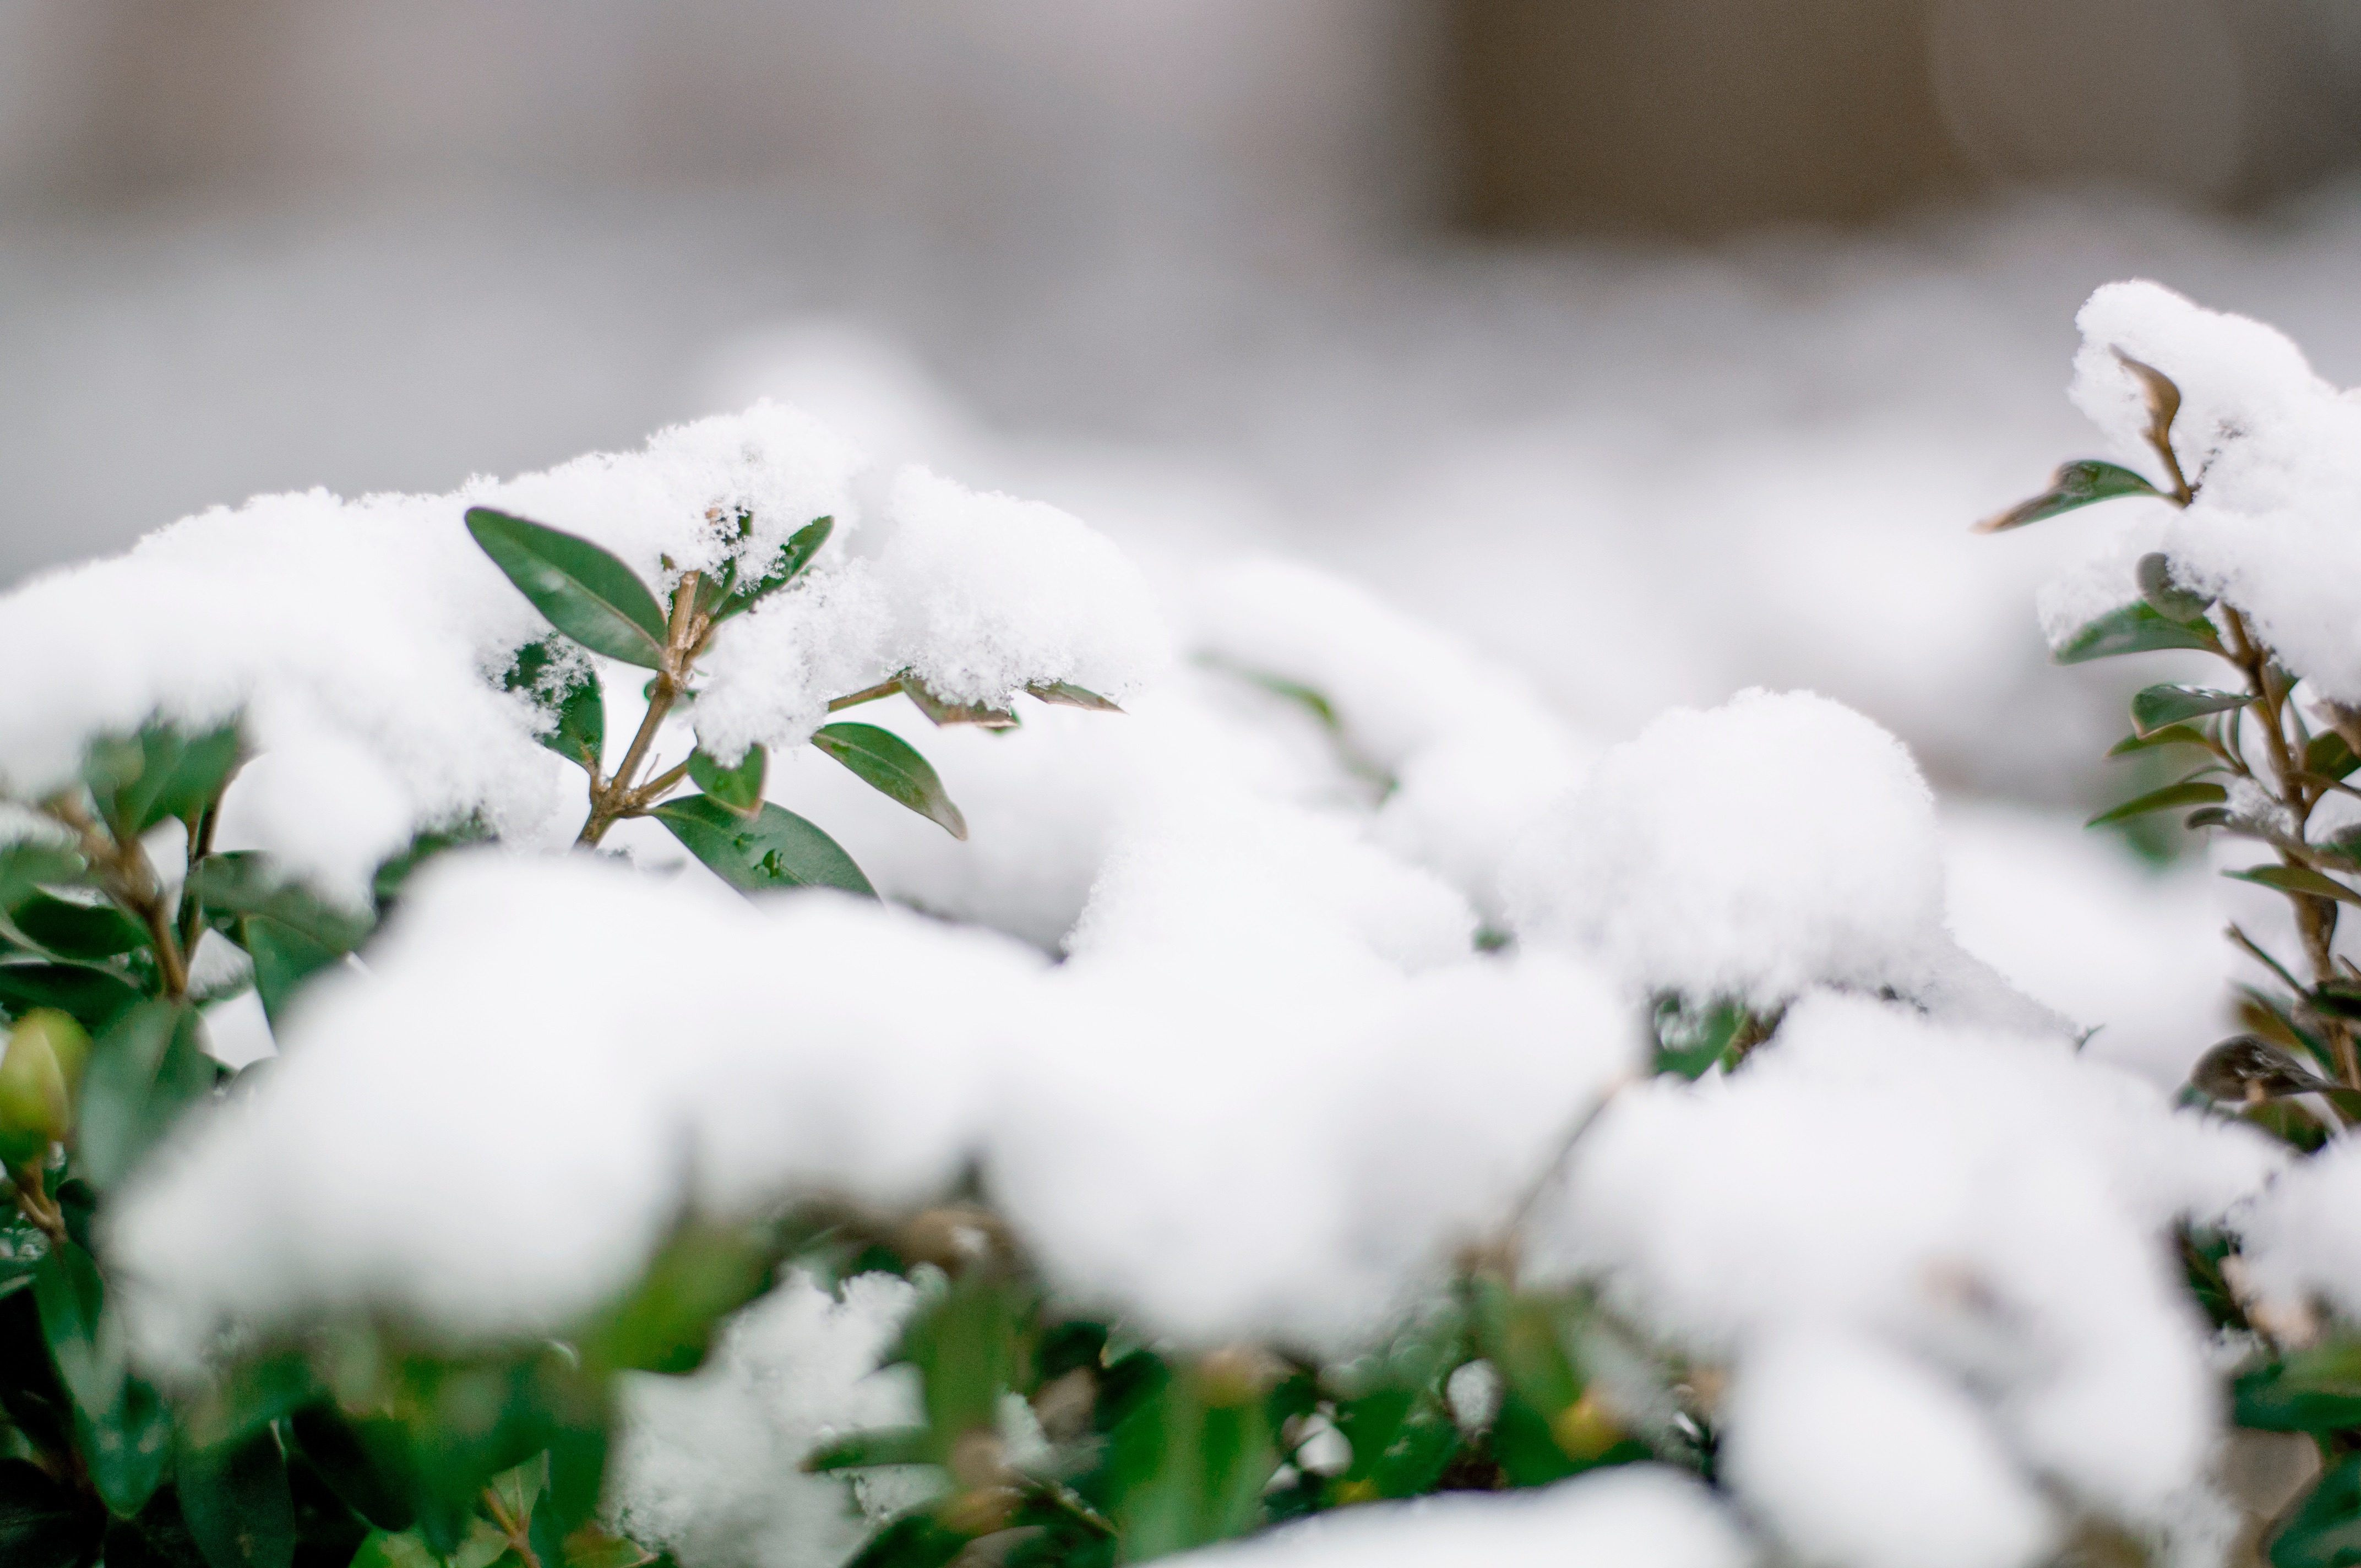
1659 347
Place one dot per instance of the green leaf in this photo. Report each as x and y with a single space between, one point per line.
2169 599
2135 629
405 1549
2074 484
1065 694
893 767
326 1531
778 849
571 697
2207 816
2297 879
2315 1390
29 864
2325 1531
584 590
914 1540
1690 1040
884 1445
244 882
145 1070
980 714
363 1464
2170 735
285 957
127 1448
2187 792
71 930
94 996
161 772
2330 757
666 1323
2159 707
239 1507
738 788
798 554
42 1524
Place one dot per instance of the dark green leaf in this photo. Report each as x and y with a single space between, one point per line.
914 1540
2207 816
571 698
1066 694
41 1523
127 1447
778 849
145 1070
161 772
980 714
239 1504
2170 735
85 931
366 1464
885 1445
2297 879
1690 1040
404 1550
740 788
2188 792
2135 629
92 996
2074 484
328 1533
2325 1531
395 873
798 554
2330 757
893 767
2159 707
586 592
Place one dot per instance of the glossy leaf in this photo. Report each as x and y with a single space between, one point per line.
1065 694
2074 484
2134 629
127 1447
894 768
776 849
881 1446
145 1070
285 957
244 882
2325 1529
85 931
572 700
584 590
366 1465
238 1503
2159 707
41 1523
2187 792
2315 1390
2166 597
26 866
741 788
2297 879
801 549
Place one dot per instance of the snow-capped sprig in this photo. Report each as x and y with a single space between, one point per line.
2270 773
2248 553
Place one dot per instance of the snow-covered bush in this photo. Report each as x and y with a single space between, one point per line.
463 1107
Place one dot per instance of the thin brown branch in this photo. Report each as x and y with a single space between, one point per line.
126 876
867 694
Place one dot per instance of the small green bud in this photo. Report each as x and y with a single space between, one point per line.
68 1042
34 1109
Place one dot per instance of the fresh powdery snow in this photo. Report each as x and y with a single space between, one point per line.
1263 912
2274 453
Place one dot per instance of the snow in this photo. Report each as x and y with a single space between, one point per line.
1775 843
1859 1456
709 1465
1638 1517
722 1057
2271 448
1991 1204
2299 1238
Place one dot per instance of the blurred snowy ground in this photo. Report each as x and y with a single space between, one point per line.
1641 477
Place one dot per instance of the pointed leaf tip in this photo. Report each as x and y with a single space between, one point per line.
2073 486
894 768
